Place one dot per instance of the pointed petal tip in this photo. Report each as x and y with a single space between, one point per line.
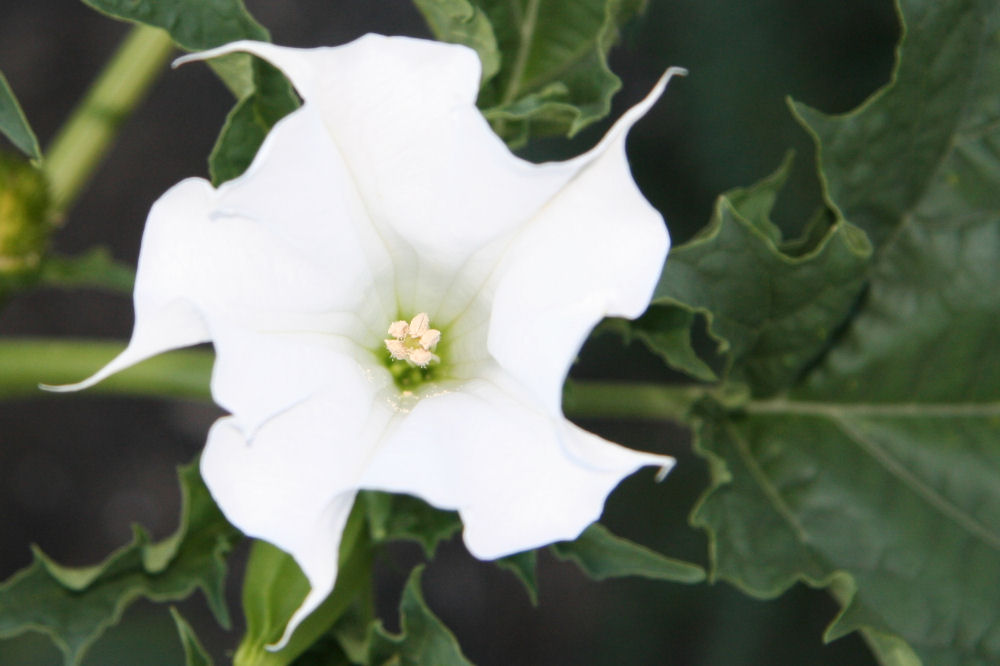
666 464
78 386
208 54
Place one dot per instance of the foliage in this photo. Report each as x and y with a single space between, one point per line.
867 459
263 94
847 404
74 606
545 69
423 639
14 125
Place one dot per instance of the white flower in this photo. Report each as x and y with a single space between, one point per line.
387 198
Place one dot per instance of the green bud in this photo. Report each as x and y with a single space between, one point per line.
24 222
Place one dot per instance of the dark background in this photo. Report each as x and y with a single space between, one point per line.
76 471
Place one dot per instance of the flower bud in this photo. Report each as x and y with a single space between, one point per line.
24 226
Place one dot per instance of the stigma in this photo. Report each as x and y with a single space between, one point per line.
413 342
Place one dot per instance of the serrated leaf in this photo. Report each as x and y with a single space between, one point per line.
74 605
13 123
602 555
553 76
194 653
423 639
264 96
94 269
404 517
879 471
524 567
772 313
666 331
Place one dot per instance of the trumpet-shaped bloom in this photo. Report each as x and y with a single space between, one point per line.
395 300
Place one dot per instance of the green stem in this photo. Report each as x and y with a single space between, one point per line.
26 363
86 136
629 400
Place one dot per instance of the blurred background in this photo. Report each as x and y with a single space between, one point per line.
77 470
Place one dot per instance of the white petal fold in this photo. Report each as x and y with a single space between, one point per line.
595 250
293 482
519 478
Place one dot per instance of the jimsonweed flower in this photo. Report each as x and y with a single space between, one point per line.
395 300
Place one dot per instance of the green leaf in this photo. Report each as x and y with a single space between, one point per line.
423 639
602 555
249 122
264 95
772 312
667 332
194 653
274 588
404 517
545 69
94 269
74 606
13 123
463 22
878 471
524 566
194 25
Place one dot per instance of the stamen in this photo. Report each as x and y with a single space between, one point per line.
413 342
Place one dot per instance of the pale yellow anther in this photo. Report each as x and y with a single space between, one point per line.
430 339
420 325
398 329
396 349
413 342
421 357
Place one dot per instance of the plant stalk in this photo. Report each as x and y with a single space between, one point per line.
86 136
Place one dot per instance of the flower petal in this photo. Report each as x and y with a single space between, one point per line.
596 249
258 375
285 247
442 188
519 478
293 483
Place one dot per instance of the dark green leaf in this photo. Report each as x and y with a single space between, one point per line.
95 269
878 472
249 122
463 22
666 331
14 125
423 639
274 587
194 653
73 606
194 25
264 95
553 76
601 555
772 312
397 516
523 565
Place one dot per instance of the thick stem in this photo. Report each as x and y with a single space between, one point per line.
26 363
627 400
85 138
